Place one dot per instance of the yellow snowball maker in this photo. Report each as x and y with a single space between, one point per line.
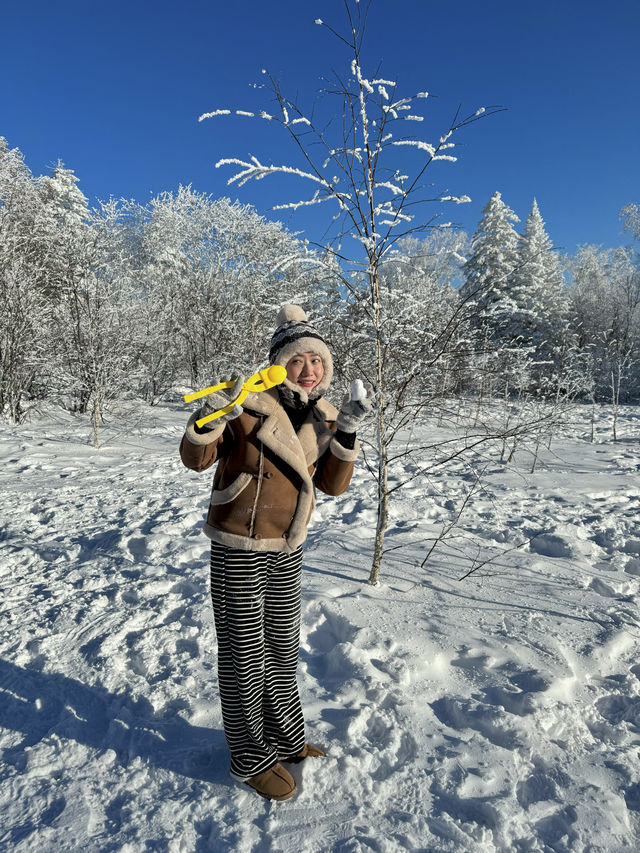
260 381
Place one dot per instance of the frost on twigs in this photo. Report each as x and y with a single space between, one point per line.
417 143
387 185
316 198
214 113
257 170
378 185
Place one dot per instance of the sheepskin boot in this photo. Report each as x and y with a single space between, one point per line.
307 751
276 783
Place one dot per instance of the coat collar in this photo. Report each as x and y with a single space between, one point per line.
299 450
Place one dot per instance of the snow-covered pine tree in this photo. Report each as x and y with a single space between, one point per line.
630 214
538 319
66 200
490 268
486 294
65 218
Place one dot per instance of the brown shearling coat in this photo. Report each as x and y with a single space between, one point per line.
263 489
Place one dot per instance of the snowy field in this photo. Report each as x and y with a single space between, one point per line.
500 713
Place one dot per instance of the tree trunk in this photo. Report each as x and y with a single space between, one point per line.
383 493
615 400
383 518
507 419
537 450
95 419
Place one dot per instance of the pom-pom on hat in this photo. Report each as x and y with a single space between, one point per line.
294 335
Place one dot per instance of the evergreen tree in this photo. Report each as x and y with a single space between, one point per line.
67 201
539 306
486 299
631 216
490 269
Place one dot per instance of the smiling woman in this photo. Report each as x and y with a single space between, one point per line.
272 452
305 370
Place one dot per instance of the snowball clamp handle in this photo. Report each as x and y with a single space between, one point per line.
260 381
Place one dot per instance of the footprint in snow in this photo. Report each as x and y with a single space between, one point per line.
137 546
489 721
380 734
448 798
556 830
517 695
602 588
633 568
543 784
551 545
617 709
632 797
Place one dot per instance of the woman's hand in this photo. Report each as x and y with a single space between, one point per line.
220 400
355 407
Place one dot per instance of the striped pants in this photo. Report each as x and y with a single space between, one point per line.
256 606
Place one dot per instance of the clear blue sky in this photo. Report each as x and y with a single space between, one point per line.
115 89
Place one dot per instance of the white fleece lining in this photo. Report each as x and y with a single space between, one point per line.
202 438
225 496
299 451
313 345
344 454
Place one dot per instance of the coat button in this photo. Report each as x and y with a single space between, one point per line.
268 475
285 535
257 536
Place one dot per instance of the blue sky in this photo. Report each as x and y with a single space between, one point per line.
115 90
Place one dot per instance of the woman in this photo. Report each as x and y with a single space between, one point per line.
272 452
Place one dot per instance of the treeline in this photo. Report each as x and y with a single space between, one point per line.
127 299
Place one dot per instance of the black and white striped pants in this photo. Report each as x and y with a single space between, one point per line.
256 606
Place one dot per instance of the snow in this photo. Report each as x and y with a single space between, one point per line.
500 713
417 143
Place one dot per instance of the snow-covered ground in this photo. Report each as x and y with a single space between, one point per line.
498 713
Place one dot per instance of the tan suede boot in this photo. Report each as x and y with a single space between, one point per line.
276 783
307 751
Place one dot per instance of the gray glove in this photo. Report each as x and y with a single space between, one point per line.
352 412
220 400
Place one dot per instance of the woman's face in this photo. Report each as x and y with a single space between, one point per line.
305 370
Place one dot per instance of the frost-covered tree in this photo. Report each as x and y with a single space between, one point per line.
631 218
486 297
490 268
432 336
26 260
95 351
538 319
210 269
371 169
605 304
60 191
64 223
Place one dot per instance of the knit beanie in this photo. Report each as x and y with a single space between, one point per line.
294 335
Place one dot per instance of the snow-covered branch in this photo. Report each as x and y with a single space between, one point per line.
257 170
